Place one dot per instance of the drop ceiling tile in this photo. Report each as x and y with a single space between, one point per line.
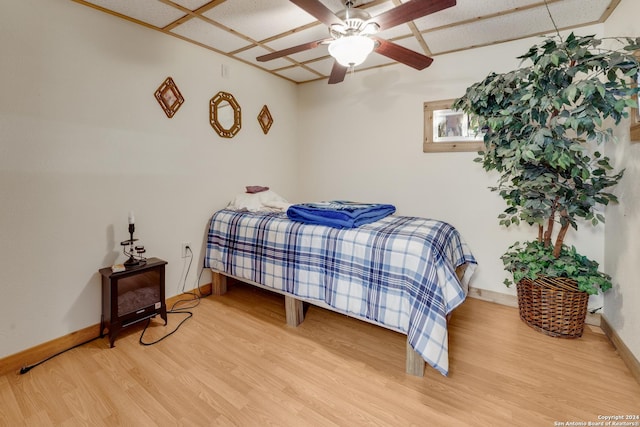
317 32
479 34
469 10
259 19
514 26
397 31
191 4
298 74
576 12
202 32
148 11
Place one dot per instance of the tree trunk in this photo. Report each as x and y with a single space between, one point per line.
540 231
560 239
550 222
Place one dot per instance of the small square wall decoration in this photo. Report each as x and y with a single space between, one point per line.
169 97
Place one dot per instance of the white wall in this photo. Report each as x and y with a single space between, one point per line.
362 140
623 220
83 141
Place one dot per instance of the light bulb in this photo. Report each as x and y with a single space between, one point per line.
351 51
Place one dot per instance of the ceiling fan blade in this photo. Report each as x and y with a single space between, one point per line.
291 50
337 73
402 54
409 11
319 11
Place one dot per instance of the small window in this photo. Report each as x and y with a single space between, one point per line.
449 130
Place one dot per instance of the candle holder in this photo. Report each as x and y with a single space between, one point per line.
135 253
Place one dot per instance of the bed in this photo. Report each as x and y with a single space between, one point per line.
403 273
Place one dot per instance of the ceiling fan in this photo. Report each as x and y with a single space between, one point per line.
353 30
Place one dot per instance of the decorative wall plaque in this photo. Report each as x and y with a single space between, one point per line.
169 97
265 119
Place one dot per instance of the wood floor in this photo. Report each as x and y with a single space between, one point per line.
237 363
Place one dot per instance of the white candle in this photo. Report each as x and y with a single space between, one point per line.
131 218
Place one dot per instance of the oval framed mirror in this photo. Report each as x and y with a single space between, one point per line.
224 115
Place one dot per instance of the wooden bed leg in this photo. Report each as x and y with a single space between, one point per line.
415 362
294 310
218 283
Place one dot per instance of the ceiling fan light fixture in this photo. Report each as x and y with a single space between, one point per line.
370 28
351 51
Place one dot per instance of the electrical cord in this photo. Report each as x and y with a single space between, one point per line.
173 310
202 268
184 279
196 296
189 315
27 368
199 286
180 310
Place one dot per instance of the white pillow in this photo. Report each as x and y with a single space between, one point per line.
267 201
245 202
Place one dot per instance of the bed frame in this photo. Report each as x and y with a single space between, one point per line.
293 305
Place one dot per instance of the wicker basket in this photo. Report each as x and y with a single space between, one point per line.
553 306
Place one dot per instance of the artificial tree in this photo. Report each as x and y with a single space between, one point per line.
543 123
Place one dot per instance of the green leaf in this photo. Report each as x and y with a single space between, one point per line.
572 93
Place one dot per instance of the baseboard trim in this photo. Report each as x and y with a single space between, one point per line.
625 354
492 296
593 319
17 361
40 352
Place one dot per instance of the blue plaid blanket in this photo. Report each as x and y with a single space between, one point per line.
397 271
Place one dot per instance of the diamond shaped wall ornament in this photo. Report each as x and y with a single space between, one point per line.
169 97
265 119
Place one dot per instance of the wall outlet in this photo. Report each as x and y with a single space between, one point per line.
186 249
